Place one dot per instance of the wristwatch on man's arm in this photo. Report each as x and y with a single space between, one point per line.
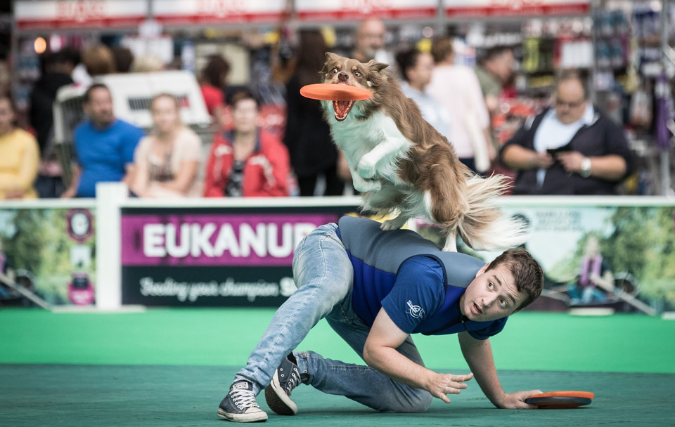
585 167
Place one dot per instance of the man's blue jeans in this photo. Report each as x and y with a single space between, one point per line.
323 274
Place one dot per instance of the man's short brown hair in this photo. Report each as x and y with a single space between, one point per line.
493 52
527 273
98 60
441 48
243 95
86 98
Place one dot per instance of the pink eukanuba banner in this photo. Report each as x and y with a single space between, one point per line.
215 239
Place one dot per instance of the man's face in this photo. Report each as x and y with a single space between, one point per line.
502 66
491 295
245 116
100 107
370 37
420 74
570 103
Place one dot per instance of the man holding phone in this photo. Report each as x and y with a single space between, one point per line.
570 149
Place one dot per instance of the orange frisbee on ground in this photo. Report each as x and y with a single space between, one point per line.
335 92
561 399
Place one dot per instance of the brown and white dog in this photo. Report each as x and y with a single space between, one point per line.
402 164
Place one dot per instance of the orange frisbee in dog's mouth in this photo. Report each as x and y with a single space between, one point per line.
335 92
342 95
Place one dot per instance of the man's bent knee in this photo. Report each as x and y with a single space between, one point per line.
421 402
418 401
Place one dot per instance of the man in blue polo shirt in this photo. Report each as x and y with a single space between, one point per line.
376 288
104 145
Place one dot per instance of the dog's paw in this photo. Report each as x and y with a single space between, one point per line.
367 185
366 168
393 224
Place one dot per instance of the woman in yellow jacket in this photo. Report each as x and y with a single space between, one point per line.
19 156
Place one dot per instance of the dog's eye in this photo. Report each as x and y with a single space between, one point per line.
334 71
357 74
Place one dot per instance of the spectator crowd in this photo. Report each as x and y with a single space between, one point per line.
570 148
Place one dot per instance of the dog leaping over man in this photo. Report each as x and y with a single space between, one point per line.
402 164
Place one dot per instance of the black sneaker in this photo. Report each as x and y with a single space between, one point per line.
277 394
240 406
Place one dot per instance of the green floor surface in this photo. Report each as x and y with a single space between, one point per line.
149 396
225 337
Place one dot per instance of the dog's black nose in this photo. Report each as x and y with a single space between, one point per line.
343 77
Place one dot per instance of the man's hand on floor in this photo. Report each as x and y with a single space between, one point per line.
517 400
440 385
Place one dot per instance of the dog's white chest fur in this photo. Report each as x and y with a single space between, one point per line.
372 147
361 136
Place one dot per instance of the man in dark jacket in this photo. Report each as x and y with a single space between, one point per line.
56 69
570 149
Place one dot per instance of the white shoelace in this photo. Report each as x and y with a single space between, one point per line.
293 381
244 399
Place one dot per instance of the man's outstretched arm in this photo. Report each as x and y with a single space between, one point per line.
380 353
478 354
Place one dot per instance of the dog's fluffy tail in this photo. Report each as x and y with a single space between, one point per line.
484 225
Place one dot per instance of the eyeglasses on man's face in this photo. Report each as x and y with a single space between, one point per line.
564 104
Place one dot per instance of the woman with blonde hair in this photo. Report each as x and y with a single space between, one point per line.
147 64
166 162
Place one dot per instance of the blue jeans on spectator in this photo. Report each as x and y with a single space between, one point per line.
586 295
49 187
323 274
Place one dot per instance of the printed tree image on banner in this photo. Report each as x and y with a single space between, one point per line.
50 252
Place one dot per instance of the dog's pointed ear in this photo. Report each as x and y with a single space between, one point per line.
377 66
330 56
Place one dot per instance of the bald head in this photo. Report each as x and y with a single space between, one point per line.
369 39
571 98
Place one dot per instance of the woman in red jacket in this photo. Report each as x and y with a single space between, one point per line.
246 162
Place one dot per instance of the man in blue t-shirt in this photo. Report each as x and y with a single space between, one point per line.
104 145
375 289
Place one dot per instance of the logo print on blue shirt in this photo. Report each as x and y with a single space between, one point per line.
415 310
